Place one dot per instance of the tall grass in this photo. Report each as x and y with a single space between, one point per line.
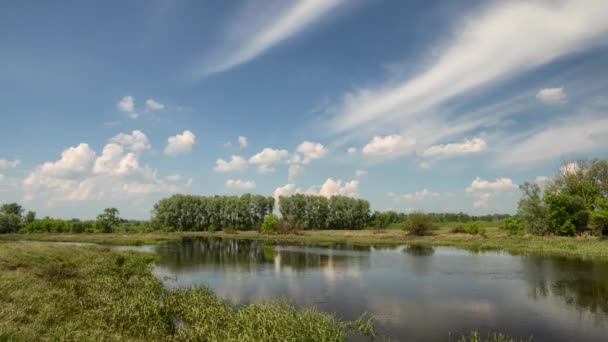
50 293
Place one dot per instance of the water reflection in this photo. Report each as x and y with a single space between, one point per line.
414 292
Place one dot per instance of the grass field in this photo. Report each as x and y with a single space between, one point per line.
69 293
494 239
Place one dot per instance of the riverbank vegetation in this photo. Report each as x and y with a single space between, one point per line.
96 294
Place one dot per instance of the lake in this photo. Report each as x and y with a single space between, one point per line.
414 293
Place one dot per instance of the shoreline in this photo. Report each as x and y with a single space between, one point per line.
495 240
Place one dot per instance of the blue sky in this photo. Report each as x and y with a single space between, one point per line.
440 107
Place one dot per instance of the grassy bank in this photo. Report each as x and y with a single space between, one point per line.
494 240
94 294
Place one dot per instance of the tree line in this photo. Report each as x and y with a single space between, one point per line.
318 212
197 213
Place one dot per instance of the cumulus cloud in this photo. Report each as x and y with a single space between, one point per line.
278 23
9 164
311 151
153 105
474 145
239 184
180 143
351 151
236 163
568 168
551 96
127 105
499 184
389 146
79 174
136 141
482 190
333 187
174 177
268 158
329 188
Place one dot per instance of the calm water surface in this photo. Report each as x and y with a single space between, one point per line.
414 293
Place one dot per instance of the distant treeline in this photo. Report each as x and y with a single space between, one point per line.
382 219
197 213
318 212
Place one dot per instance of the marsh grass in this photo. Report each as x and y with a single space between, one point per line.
69 293
491 337
495 239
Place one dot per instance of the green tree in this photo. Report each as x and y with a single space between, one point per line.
270 223
108 220
30 217
10 217
531 209
599 217
418 223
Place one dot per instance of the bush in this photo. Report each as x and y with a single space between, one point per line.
513 226
269 225
474 228
459 229
289 225
418 223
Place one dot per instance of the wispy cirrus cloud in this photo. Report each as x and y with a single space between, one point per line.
276 25
506 38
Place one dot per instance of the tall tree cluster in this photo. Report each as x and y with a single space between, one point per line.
573 202
188 212
318 212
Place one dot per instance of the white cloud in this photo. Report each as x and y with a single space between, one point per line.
557 141
351 151
360 173
174 178
332 187
136 141
242 141
240 184
293 171
9 164
329 188
285 190
468 146
236 163
424 165
153 105
542 181
274 26
481 199
541 31
127 105
418 196
502 183
180 143
311 151
81 175
569 168
389 146
551 96
267 158
482 190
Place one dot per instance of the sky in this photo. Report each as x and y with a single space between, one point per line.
414 105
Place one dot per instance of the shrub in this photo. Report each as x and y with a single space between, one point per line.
458 229
513 226
289 225
270 223
474 228
418 223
